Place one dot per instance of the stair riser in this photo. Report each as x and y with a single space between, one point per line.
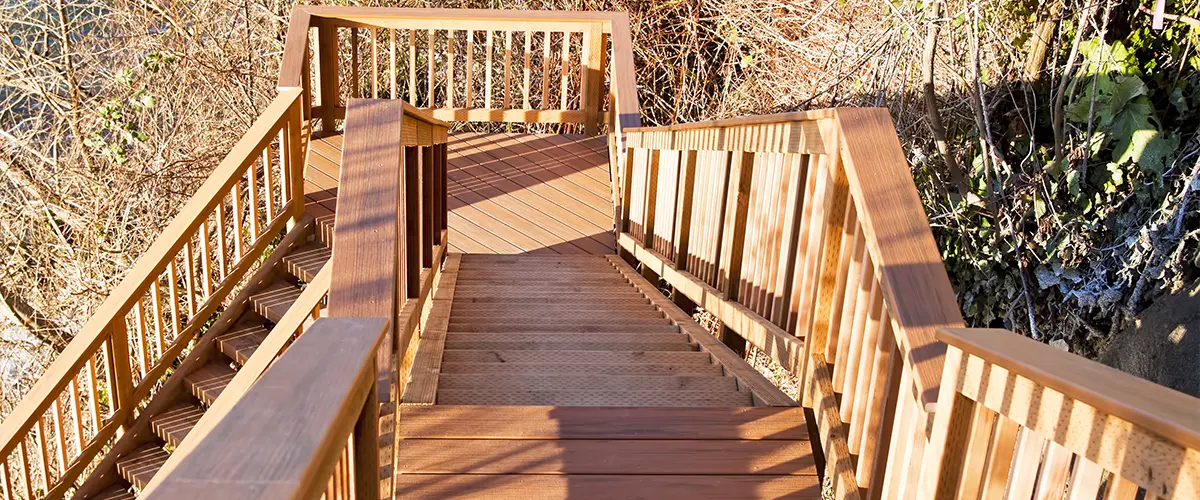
485 382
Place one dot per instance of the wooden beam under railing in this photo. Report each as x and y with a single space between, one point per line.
283 439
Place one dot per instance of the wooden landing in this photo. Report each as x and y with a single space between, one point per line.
571 377
508 193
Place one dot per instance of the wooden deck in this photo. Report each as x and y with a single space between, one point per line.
508 193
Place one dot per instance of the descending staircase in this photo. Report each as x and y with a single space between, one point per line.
573 377
304 252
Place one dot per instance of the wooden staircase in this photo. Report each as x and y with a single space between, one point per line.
572 376
176 409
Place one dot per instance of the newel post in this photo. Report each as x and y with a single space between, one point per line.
120 376
328 94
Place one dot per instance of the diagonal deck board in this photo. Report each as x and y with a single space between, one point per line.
504 196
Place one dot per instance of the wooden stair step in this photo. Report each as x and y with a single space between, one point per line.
634 309
115 492
605 487
325 228
605 456
591 344
600 357
546 291
672 398
573 422
305 262
141 464
624 300
567 337
585 382
275 299
564 327
207 382
549 279
507 369
240 342
174 424
511 313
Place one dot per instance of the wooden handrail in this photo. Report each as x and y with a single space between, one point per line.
1005 398
185 248
285 436
804 235
580 96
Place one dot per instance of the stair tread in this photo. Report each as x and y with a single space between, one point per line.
174 424
115 492
140 465
275 299
569 345
551 422
240 342
636 368
665 398
600 357
585 382
606 486
207 382
305 262
596 327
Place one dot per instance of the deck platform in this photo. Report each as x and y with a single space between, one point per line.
508 193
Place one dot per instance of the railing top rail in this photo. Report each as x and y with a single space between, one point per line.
146 269
531 16
1170 413
794 116
282 438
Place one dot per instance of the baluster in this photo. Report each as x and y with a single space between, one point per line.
412 67
865 312
881 409
1000 458
450 68
156 309
1027 457
43 452
507 69
866 361
205 261
545 104
753 238
777 230
77 414
374 63
269 182
173 290
427 217
392 61
60 440
93 402
190 268
470 81
23 460
5 476
850 299
797 181
850 234
354 74
432 69
488 70
139 326
683 230
565 79
900 449
222 263
252 201
526 71
1052 482
236 205
1119 488
412 223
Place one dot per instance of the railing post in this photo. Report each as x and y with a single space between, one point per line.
592 78
120 375
295 147
327 60
412 220
366 447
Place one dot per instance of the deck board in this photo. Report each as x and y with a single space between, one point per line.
506 195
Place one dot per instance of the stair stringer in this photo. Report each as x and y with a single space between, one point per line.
139 432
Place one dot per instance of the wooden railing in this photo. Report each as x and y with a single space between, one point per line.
804 235
307 428
117 361
1010 406
466 64
389 242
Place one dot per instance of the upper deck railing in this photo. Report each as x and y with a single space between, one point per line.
802 233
